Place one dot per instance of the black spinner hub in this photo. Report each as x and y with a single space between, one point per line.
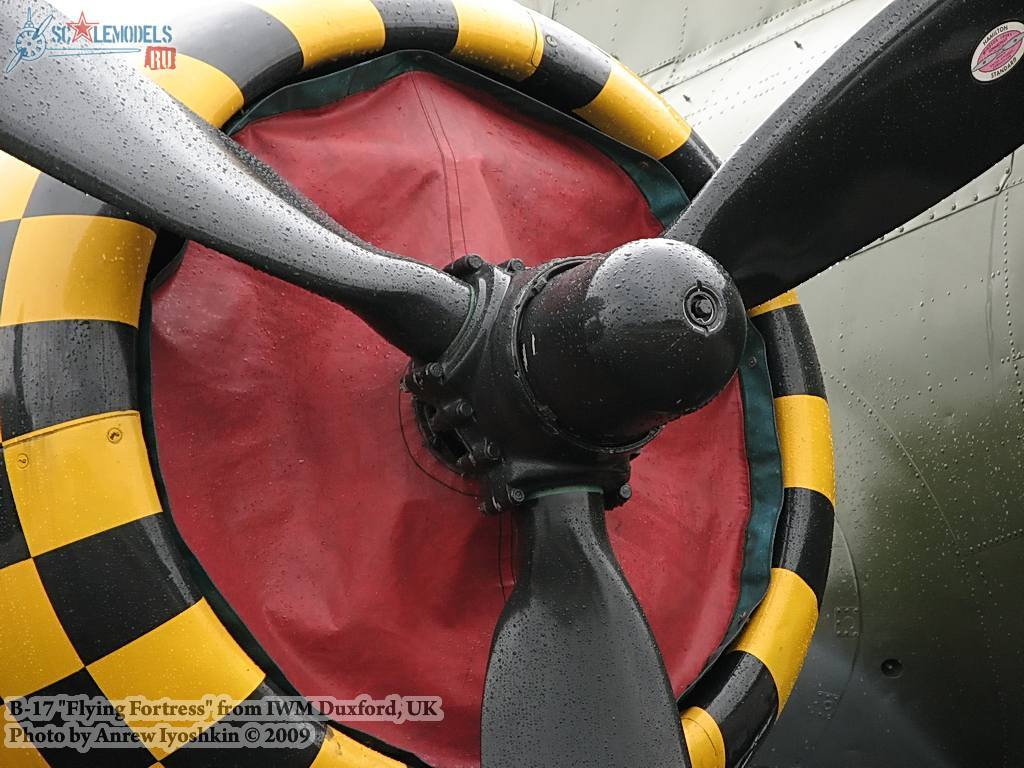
563 372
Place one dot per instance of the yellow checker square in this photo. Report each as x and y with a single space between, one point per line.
340 751
704 740
780 631
34 649
12 756
627 110
186 658
19 179
787 299
329 29
501 37
80 478
805 443
201 87
76 268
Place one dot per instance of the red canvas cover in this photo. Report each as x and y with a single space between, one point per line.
280 422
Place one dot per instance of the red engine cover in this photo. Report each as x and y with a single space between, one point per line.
279 418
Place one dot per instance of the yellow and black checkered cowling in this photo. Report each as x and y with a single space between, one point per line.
94 596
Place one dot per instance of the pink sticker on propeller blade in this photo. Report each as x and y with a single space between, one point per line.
999 52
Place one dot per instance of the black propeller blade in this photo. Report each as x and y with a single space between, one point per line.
100 126
575 677
898 118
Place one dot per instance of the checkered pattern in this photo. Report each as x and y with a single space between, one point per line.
114 615
108 615
94 598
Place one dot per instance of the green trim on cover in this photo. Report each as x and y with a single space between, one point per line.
764 465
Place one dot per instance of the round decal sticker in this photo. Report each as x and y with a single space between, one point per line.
1000 51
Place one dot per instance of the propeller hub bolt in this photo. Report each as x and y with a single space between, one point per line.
513 265
701 307
464 266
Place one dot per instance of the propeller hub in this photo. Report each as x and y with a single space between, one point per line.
620 344
563 372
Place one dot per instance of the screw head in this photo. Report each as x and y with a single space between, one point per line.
625 491
892 668
115 434
22 461
517 495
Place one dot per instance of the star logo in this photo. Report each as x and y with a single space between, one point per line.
83 29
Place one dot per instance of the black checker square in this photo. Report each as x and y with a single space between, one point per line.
13 548
60 370
55 198
233 756
8 233
129 752
260 52
114 587
572 71
430 27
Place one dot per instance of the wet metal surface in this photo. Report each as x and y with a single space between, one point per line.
917 659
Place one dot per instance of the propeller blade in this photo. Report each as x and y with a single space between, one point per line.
575 677
97 124
902 115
